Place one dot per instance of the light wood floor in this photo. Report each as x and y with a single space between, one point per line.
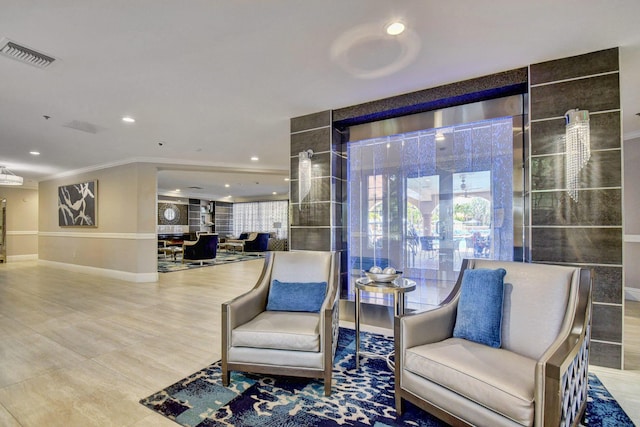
78 350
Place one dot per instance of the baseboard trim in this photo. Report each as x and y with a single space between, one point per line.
103 272
632 294
18 258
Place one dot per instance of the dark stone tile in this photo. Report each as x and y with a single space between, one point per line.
311 121
482 88
320 191
577 245
602 61
311 214
547 137
337 188
339 214
602 170
606 323
595 207
607 284
311 239
606 355
339 239
594 94
318 140
338 166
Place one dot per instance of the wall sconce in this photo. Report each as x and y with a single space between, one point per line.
304 175
9 178
577 148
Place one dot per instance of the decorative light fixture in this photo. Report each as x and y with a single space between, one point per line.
304 175
9 178
577 148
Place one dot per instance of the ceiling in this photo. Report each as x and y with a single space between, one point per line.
212 83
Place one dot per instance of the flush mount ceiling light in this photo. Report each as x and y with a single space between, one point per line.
395 28
255 159
24 54
9 178
34 153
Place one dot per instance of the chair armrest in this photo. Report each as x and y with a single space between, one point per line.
567 356
189 243
426 327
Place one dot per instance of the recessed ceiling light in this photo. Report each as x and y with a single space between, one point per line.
286 179
227 186
34 153
128 119
177 190
254 159
274 193
395 28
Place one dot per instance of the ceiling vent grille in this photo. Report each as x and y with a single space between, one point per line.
24 54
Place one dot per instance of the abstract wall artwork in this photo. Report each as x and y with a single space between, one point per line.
77 205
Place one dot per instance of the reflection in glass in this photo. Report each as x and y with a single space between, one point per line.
423 201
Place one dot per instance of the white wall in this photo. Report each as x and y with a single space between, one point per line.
22 222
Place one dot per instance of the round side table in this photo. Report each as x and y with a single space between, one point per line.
398 287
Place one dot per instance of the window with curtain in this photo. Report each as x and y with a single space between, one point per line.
270 216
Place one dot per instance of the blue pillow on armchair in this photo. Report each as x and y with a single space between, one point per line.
296 296
479 316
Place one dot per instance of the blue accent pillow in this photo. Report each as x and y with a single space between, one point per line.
479 316
296 296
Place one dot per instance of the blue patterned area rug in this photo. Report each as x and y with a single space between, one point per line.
362 397
168 265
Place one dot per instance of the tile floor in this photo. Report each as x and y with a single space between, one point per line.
79 350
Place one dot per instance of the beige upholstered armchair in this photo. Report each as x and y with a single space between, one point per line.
288 323
536 375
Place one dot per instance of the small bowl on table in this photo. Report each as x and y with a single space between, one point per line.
383 277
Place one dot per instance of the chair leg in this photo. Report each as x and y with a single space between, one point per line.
327 384
226 377
399 405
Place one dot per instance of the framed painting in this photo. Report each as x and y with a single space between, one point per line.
78 205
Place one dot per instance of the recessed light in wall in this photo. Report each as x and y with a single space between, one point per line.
395 28
128 119
254 159
34 153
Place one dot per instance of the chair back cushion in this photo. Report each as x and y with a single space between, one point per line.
301 266
536 297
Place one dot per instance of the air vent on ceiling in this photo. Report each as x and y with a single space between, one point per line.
24 54
195 188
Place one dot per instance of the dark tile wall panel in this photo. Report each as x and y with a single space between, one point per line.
582 65
607 284
602 170
596 207
588 232
577 245
605 354
311 121
606 323
599 93
549 134
311 214
310 239
320 165
315 140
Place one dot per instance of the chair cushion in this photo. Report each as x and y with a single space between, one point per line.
479 316
280 330
496 378
296 296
